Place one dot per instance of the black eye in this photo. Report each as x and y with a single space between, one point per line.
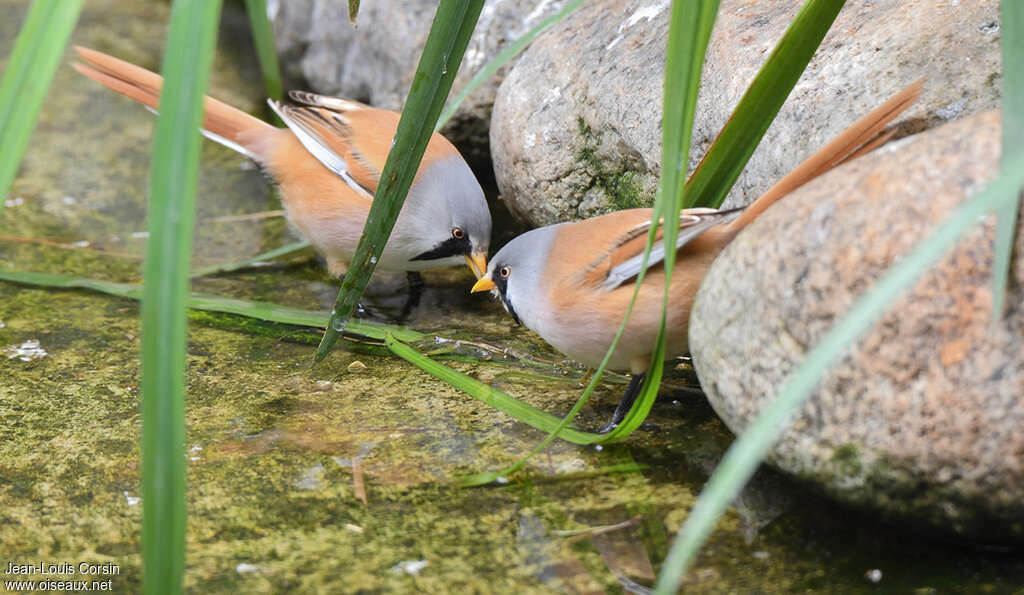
458 234
504 272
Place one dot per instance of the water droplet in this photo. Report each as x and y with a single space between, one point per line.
373 260
598 447
501 480
338 324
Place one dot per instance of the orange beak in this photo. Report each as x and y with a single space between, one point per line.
483 284
478 263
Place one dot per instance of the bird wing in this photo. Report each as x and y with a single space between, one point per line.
326 135
624 260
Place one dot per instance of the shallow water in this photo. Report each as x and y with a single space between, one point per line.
335 476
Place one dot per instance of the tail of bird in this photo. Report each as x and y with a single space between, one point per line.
863 136
221 122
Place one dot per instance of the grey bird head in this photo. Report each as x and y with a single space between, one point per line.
515 273
445 219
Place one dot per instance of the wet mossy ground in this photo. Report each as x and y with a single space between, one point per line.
275 445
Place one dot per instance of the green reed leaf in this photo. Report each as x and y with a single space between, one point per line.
1013 144
26 80
449 35
266 51
728 155
248 262
213 303
504 56
173 176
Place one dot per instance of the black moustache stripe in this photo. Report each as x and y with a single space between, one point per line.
451 247
502 286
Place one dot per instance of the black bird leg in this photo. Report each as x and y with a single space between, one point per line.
416 287
635 384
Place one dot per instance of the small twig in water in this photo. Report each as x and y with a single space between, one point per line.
579 534
357 479
247 217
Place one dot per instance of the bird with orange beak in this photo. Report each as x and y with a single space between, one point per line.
327 163
572 282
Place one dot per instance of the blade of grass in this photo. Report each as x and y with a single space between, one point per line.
353 11
728 155
1013 144
449 35
212 303
26 80
173 176
523 412
689 31
248 262
510 51
263 36
746 453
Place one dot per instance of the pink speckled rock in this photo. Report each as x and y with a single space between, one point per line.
923 419
576 128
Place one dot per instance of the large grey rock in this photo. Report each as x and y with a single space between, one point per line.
872 50
922 420
374 61
577 123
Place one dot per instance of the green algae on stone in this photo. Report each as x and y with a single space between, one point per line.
848 455
610 188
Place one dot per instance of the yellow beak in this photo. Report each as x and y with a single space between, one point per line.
478 263
483 284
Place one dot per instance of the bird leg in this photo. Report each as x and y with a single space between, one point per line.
635 384
416 287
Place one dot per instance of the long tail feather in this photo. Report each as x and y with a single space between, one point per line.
221 122
863 136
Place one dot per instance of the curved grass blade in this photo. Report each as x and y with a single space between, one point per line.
746 453
689 31
728 155
263 36
213 303
524 412
173 175
1013 144
248 262
449 35
29 72
510 51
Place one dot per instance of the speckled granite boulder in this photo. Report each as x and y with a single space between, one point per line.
375 60
577 123
873 50
576 129
923 420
